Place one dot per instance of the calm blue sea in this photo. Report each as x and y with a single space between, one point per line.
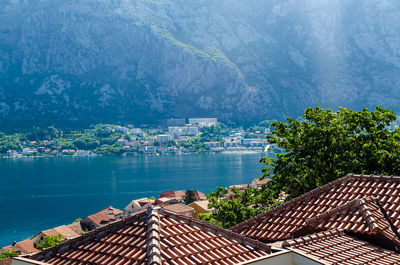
41 193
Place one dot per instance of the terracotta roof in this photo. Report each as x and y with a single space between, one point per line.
104 216
152 237
166 200
63 230
180 194
173 194
260 182
282 222
76 227
202 204
336 247
199 195
23 247
239 186
358 216
178 207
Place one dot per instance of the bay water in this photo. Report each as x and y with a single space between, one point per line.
41 193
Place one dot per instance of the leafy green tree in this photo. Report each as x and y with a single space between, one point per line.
207 217
189 197
244 205
7 254
50 241
86 142
10 142
102 130
214 133
326 145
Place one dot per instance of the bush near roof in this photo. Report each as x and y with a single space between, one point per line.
7 254
50 241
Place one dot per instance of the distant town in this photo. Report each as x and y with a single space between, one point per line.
177 136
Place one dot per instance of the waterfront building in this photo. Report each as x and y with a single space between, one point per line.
180 194
24 247
180 208
164 138
231 144
212 144
101 218
137 205
62 230
203 122
200 207
174 132
136 131
189 131
254 142
151 149
258 183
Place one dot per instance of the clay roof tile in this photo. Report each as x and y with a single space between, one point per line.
339 193
155 236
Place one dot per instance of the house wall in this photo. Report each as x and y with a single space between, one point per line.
88 224
25 261
6 261
38 238
198 210
286 258
188 213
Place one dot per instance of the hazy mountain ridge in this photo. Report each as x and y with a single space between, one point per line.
97 60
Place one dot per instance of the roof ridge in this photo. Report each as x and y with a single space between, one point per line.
294 200
397 178
313 192
153 235
368 217
356 202
224 232
312 237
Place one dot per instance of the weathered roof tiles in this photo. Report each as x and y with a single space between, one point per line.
154 237
336 247
282 222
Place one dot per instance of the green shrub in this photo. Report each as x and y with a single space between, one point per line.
8 254
50 241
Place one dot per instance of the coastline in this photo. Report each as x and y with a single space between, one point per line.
140 154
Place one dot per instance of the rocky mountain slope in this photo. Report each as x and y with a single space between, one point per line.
142 60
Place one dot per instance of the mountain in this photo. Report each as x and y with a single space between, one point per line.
141 60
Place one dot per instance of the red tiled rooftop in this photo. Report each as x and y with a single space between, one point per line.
104 216
178 207
63 230
362 216
152 237
180 194
282 222
23 247
336 247
173 194
76 227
